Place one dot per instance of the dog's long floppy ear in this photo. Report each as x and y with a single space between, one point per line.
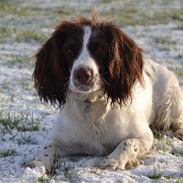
51 73
125 67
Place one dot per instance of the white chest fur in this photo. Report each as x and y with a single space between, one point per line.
91 127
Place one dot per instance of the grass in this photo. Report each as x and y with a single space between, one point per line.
25 139
158 176
26 85
21 61
5 33
130 14
13 124
6 153
12 9
70 174
135 16
158 135
164 40
68 171
155 177
179 73
30 35
20 34
163 144
165 43
43 180
96 171
180 180
46 179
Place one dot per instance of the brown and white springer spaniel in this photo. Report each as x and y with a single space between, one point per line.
109 93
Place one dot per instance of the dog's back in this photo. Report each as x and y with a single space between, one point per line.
167 97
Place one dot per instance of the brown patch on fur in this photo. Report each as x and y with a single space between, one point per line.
125 67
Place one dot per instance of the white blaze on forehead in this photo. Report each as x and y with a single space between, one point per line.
87 34
84 58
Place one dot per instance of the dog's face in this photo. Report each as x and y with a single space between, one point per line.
85 77
85 56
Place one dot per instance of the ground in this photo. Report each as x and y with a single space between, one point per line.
157 26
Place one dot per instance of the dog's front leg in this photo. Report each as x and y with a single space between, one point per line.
127 153
47 156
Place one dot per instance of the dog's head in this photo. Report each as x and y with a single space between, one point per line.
84 56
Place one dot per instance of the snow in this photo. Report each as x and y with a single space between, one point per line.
30 121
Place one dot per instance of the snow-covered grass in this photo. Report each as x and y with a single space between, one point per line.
157 26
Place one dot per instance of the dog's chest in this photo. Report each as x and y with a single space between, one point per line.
100 137
94 142
96 128
92 112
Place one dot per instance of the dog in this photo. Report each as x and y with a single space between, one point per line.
111 96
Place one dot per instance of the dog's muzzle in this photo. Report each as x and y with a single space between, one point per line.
83 78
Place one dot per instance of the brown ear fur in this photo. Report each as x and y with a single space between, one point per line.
51 74
125 67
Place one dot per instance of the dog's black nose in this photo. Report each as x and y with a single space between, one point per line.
83 75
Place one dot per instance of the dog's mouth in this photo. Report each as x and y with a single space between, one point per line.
87 98
85 89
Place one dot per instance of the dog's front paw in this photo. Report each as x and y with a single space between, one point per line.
111 163
179 134
33 164
38 163
120 163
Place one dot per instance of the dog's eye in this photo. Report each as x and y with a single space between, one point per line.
69 53
99 50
